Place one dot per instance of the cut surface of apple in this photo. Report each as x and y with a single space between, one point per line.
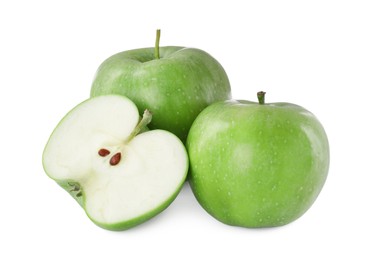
119 174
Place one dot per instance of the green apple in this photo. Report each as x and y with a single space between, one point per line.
120 174
256 164
174 83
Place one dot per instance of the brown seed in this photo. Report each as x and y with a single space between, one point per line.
103 152
115 159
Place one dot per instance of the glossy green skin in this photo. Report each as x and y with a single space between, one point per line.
255 165
175 88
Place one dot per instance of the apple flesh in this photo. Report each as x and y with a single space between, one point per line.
255 164
175 86
120 175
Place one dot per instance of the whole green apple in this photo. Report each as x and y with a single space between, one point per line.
256 164
174 83
121 173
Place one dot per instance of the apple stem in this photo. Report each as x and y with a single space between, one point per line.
146 119
261 97
157 54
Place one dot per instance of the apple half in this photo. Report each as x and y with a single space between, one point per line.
121 173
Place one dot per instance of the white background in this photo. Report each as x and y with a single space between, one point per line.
312 53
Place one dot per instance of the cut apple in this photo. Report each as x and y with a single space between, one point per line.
119 173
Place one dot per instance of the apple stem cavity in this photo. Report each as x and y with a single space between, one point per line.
261 97
157 54
146 119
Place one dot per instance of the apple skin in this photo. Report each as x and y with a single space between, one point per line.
255 165
175 88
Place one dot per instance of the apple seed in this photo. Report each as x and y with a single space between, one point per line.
103 152
115 159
